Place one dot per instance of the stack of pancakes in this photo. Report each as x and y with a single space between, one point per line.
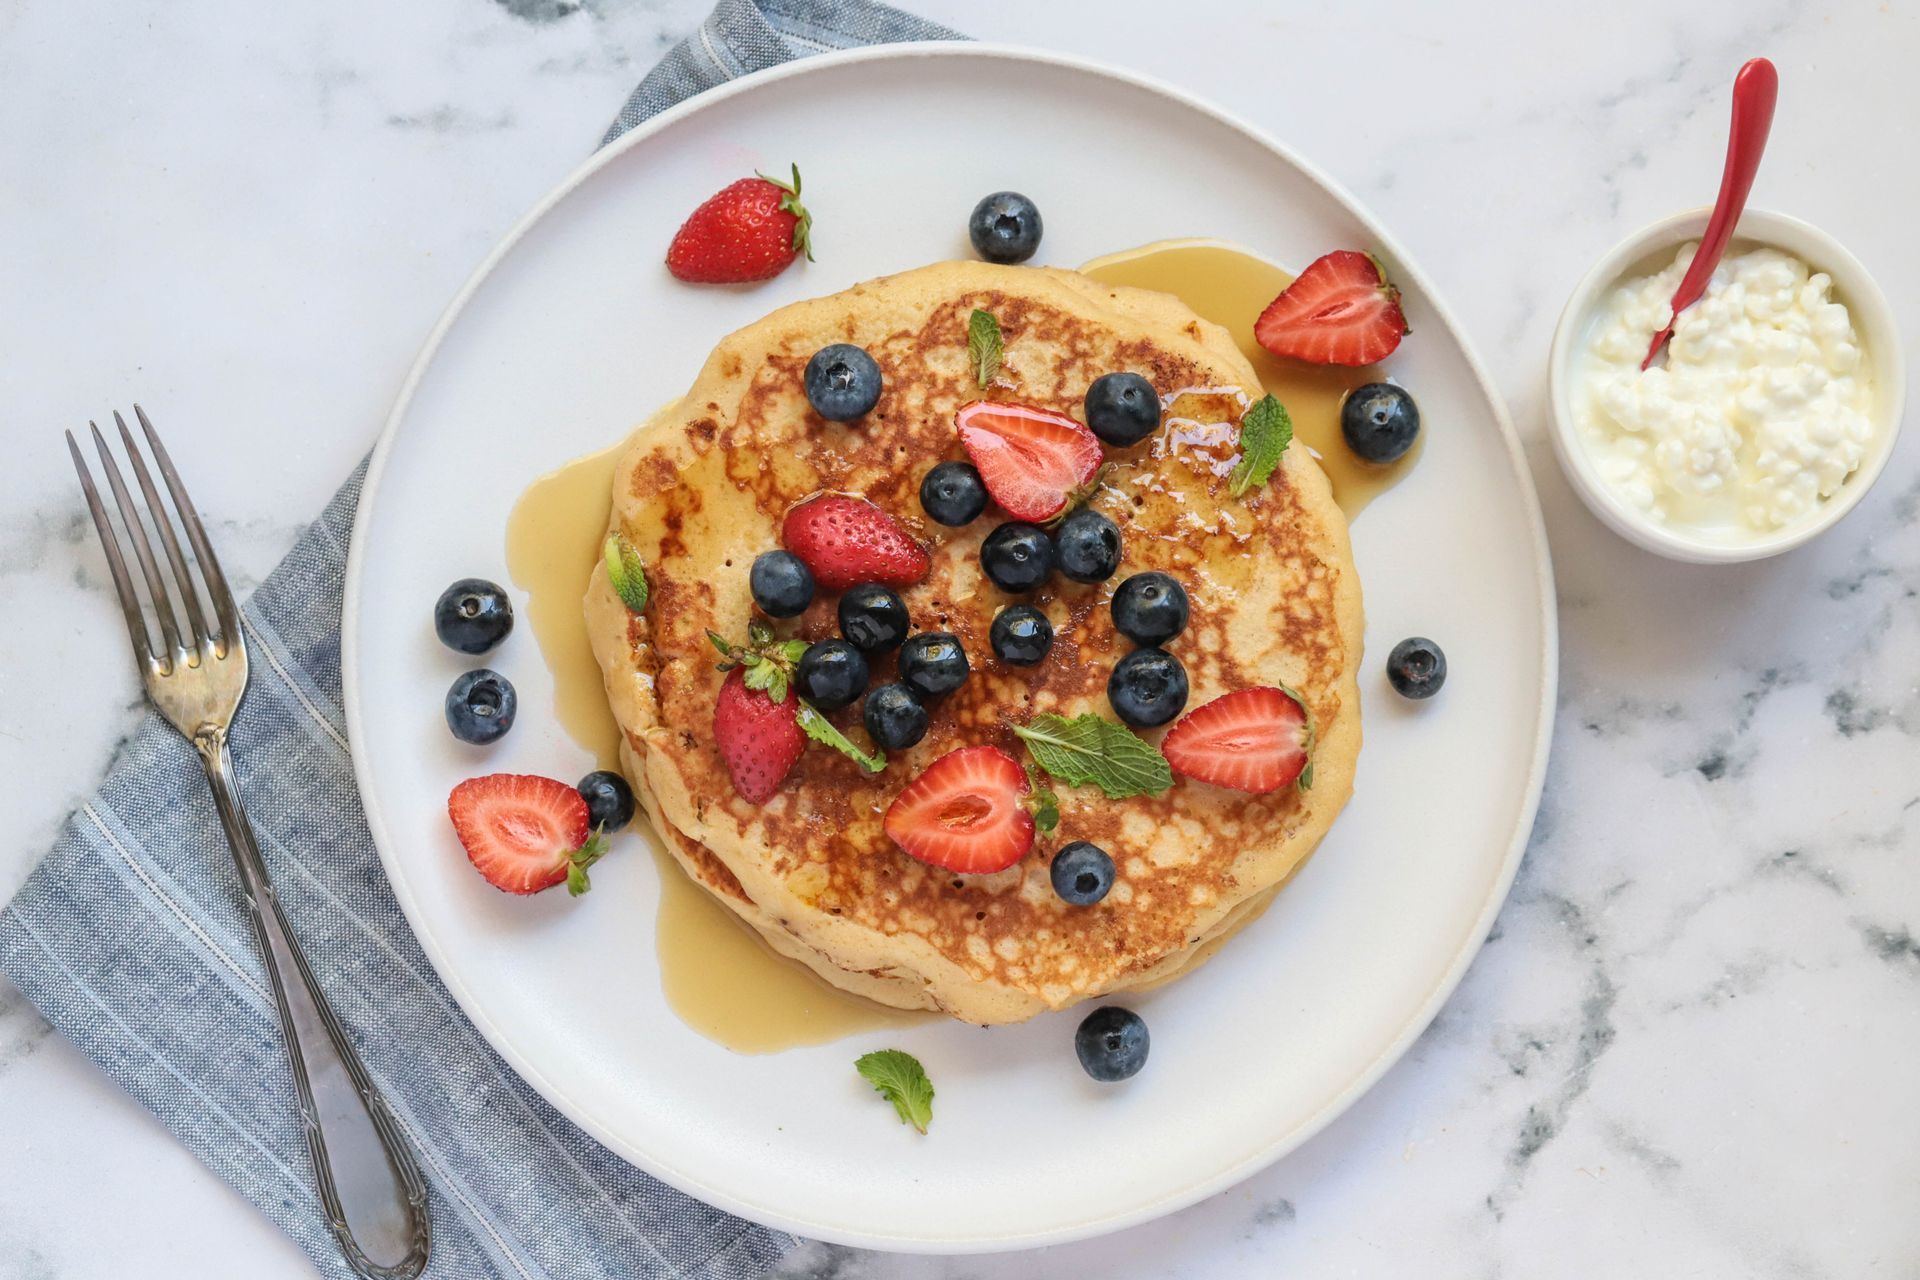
1275 600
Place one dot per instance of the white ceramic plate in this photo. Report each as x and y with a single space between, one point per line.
571 331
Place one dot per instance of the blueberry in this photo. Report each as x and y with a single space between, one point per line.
831 674
782 584
1005 227
953 494
1021 635
1087 546
480 707
472 615
843 382
1082 873
1122 408
1416 668
1150 608
1380 421
1148 687
609 799
873 617
933 663
895 719
1018 557
1112 1043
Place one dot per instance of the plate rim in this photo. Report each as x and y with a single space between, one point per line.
1446 981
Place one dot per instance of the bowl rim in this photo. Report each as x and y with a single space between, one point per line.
1873 319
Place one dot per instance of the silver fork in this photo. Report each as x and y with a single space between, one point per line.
370 1187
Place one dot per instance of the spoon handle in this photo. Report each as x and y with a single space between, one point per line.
1755 90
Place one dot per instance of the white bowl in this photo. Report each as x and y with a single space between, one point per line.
1651 249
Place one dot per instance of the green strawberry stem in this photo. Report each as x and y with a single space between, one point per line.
1305 780
580 859
1079 496
1045 807
769 662
803 227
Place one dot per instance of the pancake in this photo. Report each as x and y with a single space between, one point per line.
1275 600
895 988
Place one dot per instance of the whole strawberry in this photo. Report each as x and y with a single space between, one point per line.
846 541
752 230
760 722
758 738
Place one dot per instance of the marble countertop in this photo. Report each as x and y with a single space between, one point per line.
1687 1049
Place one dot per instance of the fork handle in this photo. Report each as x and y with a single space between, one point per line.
370 1187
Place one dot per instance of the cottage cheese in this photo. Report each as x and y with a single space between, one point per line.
1762 411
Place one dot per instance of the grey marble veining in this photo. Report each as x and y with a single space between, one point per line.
22 1029
1687 1047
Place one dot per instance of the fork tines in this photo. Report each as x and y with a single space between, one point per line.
196 642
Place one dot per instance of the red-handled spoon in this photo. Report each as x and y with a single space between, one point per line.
1754 91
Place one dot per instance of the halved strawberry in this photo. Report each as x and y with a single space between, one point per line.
1033 460
525 833
966 813
758 738
1341 310
846 541
1257 740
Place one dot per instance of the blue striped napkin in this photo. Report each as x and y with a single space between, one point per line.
131 938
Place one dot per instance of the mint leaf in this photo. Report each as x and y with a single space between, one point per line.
899 1078
984 345
1265 433
821 730
1090 751
580 859
625 572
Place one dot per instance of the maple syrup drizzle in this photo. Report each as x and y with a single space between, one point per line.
1231 287
716 973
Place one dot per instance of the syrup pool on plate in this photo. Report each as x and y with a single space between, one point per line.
720 978
1231 287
